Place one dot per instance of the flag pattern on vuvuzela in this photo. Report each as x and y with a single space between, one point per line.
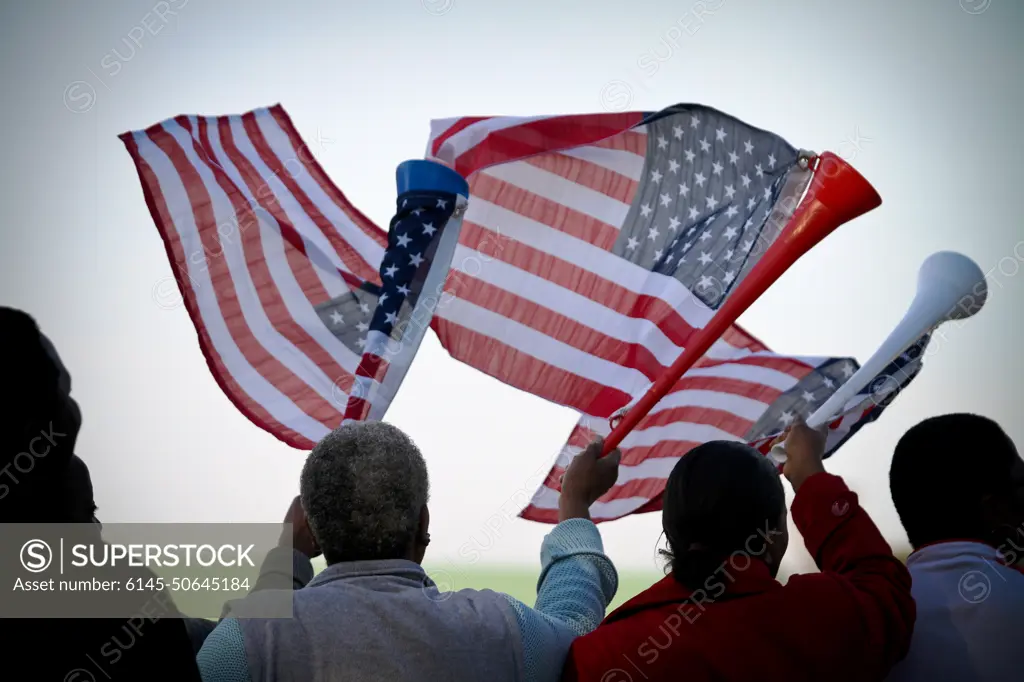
280 274
594 247
391 319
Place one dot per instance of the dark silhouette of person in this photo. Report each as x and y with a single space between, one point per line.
42 481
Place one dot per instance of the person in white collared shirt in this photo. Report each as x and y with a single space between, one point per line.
958 485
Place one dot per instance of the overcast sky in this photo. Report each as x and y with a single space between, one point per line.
923 97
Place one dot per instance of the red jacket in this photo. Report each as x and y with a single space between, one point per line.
853 621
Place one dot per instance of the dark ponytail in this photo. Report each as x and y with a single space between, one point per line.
717 499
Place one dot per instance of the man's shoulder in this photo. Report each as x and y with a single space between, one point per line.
966 571
481 595
474 600
270 604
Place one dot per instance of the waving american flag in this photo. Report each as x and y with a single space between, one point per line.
609 240
307 313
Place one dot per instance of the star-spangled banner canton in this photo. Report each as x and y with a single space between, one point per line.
703 204
385 323
862 409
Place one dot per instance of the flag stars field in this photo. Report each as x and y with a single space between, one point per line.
712 203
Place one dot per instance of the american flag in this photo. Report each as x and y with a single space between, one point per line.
860 410
607 240
592 248
290 288
796 388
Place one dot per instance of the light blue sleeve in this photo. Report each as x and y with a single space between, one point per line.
577 582
222 658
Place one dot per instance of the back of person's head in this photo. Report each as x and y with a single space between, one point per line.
40 422
77 493
953 477
364 488
722 497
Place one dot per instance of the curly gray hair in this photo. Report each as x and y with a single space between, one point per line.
362 489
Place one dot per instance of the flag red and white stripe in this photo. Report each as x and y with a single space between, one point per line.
258 235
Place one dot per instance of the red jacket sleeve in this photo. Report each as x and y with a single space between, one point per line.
848 548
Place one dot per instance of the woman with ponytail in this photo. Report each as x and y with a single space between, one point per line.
721 615
723 500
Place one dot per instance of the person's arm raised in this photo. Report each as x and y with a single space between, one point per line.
847 545
577 580
289 565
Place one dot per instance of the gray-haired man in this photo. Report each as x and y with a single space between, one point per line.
373 614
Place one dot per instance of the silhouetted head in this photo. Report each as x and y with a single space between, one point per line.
40 422
958 477
723 497
364 491
78 495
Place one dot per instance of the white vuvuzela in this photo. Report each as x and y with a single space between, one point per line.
950 286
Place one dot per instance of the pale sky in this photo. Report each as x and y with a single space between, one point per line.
923 97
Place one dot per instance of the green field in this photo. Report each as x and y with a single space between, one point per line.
517 581
521 583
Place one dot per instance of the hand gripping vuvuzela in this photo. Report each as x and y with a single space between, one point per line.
950 286
837 195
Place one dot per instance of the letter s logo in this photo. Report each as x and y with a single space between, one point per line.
974 587
36 556
79 97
